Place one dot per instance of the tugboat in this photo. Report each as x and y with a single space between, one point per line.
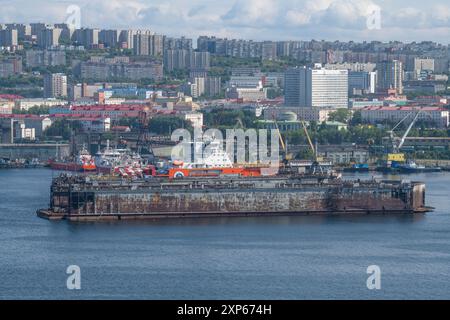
411 167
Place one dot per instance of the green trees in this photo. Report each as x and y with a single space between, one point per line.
21 80
222 118
38 110
165 125
356 118
366 134
341 115
360 134
62 128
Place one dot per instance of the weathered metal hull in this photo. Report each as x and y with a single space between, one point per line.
233 197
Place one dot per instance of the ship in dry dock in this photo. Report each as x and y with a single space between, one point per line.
218 187
92 198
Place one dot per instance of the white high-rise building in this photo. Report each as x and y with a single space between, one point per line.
317 87
328 88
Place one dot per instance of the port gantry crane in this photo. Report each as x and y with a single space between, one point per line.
397 143
287 156
313 148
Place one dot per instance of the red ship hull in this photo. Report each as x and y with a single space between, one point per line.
70 166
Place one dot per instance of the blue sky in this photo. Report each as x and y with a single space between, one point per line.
405 20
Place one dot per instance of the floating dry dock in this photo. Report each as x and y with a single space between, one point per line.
79 198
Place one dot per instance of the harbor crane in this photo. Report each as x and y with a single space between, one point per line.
313 148
287 156
397 142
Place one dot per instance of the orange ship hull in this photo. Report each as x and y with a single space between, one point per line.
214 172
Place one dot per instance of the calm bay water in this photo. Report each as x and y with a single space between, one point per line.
233 258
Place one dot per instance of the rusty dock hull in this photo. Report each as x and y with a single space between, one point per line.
92 200
47 214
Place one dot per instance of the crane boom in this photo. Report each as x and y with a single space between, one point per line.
283 145
401 121
402 141
309 139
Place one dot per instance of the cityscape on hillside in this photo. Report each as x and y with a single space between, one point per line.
209 151
52 76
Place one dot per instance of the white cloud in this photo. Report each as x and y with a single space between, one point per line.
298 18
250 19
252 12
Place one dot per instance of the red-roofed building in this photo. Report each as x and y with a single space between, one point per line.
427 100
434 115
111 111
10 97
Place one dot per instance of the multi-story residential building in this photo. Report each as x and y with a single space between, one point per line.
10 66
37 27
55 85
269 50
195 87
435 116
126 39
390 76
175 59
198 73
318 87
245 81
141 70
236 48
83 90
27 103
108 38
257 93
146 43
105 69
157 45
39 58
356 66
295 87
423 64
198 60
66 32
213 86
49 37
177 43
184 59
424 86
9 38
23 30
142 43
361 82
86 37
